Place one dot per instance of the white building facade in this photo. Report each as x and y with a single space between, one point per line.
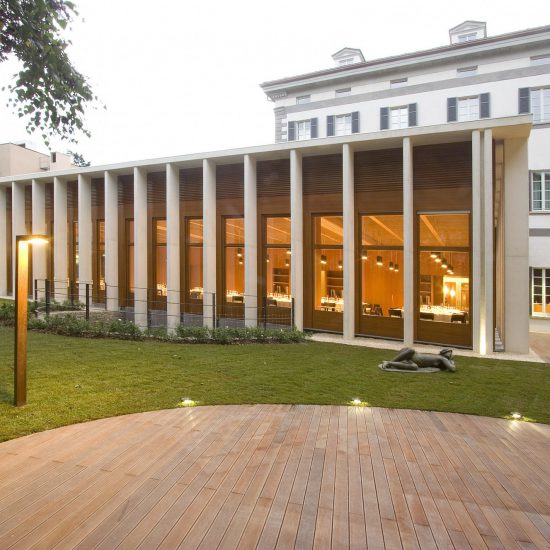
474 78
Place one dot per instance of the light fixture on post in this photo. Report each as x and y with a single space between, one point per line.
21 308
379 261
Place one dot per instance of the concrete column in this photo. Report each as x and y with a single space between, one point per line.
84 235
516 246
297 237
250 243
60 250
39 253
140 248
348 198
111 241
17 218
478 329
172 246
3 244
209 239
487 346
408 244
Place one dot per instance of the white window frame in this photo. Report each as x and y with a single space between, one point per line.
398 82
467 37
302 99
540 201
466 71
342 125
467 108
544 275
343 92
543 59
399 117
303 129
541 113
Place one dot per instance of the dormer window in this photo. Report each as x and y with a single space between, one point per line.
398 82
468 37
346 61
466 71
301 99
468 31
348 56
343 92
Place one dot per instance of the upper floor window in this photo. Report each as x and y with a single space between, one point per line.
467 37
540 192
302 129
301 99
394 118
467 108
536 101
466 71
540 59
398 82
343 92
343 125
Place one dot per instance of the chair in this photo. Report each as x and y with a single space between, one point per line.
377 310
458 317
427 315
239 299
395 312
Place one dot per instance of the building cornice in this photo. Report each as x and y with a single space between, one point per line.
506 127
505 42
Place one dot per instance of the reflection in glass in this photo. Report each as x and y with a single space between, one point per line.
234 260
444 272
328 230
329 280
277 262
194 258
160 257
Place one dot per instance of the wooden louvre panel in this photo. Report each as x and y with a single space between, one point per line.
98 193
322 175
379 170
72 194
191 184
156 188
125 190
49 196
8 204
28 198
443 165
273 178
230 181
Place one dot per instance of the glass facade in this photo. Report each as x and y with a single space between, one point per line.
193 264
130 256
444 267
100 261
234 260
159 243
540 292
277 260
328 267
381 265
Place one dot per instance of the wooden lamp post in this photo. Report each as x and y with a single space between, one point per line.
21 306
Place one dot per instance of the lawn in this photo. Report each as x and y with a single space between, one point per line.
75 379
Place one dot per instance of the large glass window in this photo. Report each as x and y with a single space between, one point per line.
540 105
303 129
381 265
540 191
468 108
342 125
75 254
194 258
234 260
444 267
540 292
277 261
399 117
159 245
130 254
100 261
328 264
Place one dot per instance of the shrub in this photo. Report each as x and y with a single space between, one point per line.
198 335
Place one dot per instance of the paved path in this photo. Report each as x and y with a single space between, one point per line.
279 476
540 344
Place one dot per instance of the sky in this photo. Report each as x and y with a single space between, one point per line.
176 77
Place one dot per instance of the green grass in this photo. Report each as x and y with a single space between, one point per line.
76 379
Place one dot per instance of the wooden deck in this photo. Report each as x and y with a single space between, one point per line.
279 476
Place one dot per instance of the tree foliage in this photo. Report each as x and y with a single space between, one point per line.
48 91
78 159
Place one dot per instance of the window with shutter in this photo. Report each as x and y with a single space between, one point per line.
314 132
355 122
384 118
291 131
540 105
451 109
524 103
484 106
412 114
330 125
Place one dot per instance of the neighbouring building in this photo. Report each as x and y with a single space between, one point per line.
404 198
18 158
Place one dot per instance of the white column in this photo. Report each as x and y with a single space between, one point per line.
250 243
84 235
3 244
209 239
17 218
39 253
111 241
140 247
348 198
172 246
488 228
478 329
516 246
60 260
297 237
408 244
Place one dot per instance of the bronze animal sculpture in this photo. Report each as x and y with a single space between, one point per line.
409 360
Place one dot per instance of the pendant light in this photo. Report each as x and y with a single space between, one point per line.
287 263
433 255
437 259
323 259
340 265
288 251
239 252
364 254
444 264
391 266
379 261
396 268
267 258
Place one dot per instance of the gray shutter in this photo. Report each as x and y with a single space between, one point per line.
484 106
291 131
330 125
384 118
412 114
314 132
524 100
451 109
355 122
